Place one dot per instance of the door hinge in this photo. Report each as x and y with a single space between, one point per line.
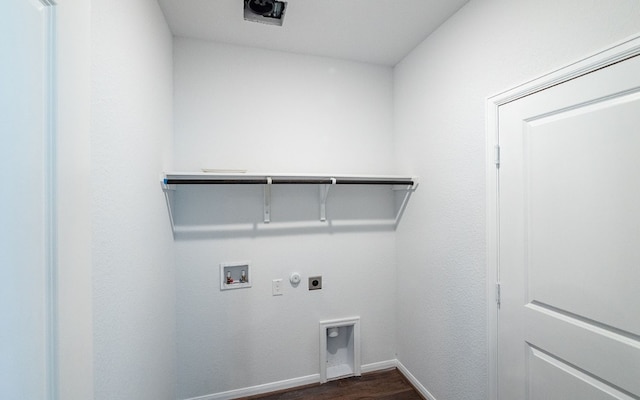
498 294
496 152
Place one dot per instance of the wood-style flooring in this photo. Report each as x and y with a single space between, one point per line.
381 385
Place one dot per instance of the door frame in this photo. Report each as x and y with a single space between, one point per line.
51 215
619 51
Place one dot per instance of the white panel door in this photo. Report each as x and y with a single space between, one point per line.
569 210
24 129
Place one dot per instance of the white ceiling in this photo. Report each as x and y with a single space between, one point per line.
373 31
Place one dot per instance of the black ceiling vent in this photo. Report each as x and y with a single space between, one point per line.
265 11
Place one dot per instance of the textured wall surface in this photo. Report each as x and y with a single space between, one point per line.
439 99
75 305
133 265
268 111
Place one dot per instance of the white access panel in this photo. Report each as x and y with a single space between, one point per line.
569 209
340 356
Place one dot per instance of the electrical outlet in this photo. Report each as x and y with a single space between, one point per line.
276 287
315 283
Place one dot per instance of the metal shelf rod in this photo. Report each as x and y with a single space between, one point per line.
288 181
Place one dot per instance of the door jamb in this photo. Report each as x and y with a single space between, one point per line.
50 178
627 48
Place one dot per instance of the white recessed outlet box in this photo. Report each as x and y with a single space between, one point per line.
339 349
235 275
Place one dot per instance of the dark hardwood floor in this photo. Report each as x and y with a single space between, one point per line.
382 385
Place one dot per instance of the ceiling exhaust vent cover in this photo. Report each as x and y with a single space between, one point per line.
265 11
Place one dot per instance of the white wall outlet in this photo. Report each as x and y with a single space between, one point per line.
276 287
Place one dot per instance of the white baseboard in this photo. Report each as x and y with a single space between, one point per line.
423 391
378 366
286 384
259 389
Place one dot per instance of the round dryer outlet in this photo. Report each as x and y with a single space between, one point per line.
315 283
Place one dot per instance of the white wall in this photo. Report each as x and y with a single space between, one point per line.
133 265
268 111
75 305
439 101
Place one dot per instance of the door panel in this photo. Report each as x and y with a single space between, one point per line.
582 168
610 356
553 379
569 323
23 229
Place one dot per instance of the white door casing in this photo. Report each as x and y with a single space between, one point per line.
564 232
27 248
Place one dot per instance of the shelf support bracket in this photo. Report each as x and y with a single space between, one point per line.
267 200
324 192
169 190
408 190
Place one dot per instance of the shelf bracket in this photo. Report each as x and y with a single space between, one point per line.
267 200
168 191
408 190
324 192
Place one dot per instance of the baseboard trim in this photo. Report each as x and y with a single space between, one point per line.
379 366
259 389
286 384
416 383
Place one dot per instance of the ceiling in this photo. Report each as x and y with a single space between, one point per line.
373 31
